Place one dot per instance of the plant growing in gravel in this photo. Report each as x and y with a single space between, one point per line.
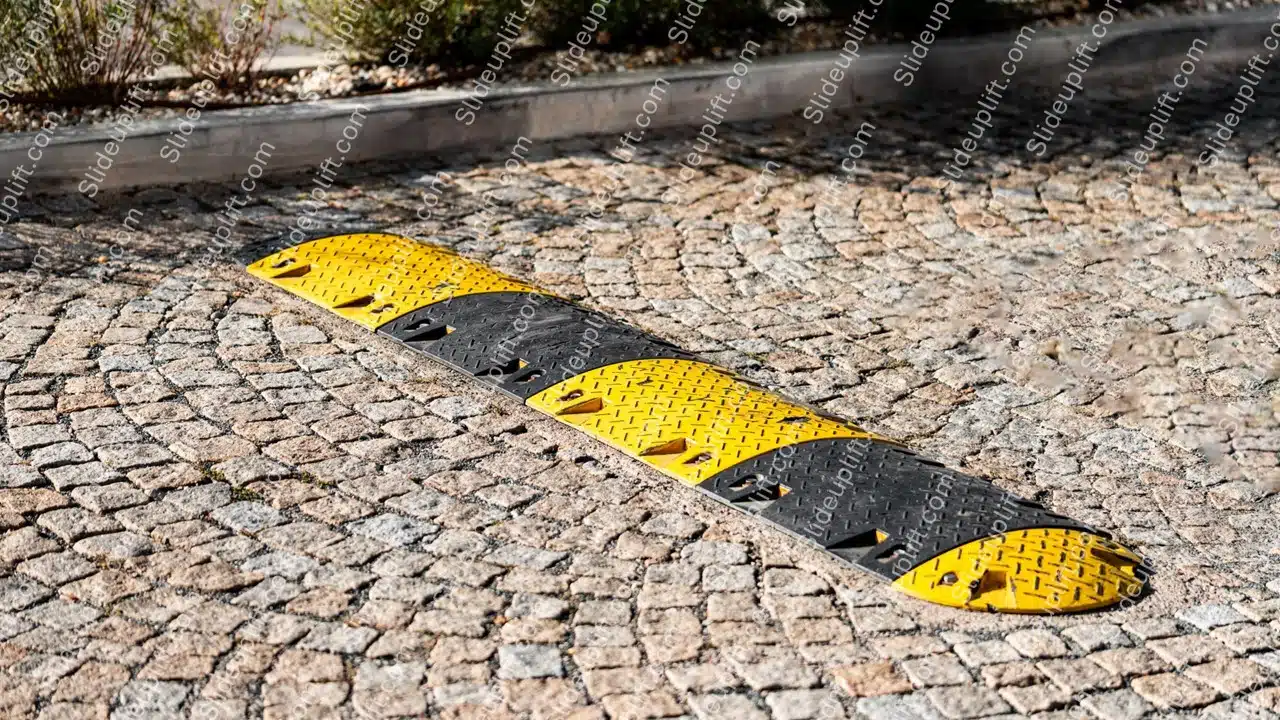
223 45
632 23
907 17
372 30
478 24
87 50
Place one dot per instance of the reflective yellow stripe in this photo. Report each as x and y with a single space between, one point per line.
686 418
1044 570
372 278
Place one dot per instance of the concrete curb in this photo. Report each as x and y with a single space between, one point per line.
222 146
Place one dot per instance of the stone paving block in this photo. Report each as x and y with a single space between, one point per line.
1037 644
114 546
1032 698
65 477
1207 617
18 592
142 697
56 569
1117 705
16 476
1189 649
103 499
934 670
519 662
724 707
1169 691
147 517
126 456
103 588
23 544
871 679
896 707
1230 677
1096 636
986 653
240 471
967 702
393 530
708 553
283 564
1130 661
338 638
66 453
34 436
247 517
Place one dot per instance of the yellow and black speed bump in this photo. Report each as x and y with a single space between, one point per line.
934 533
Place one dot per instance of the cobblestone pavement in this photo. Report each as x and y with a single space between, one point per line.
224 502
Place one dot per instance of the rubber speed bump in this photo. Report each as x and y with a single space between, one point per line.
935 534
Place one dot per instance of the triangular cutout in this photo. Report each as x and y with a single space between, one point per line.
428 334
293 272
860 541
673 447
586 406
357 302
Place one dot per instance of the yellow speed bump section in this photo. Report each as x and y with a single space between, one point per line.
1042 570
371 278
684 417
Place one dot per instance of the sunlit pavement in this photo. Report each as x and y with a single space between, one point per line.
224 502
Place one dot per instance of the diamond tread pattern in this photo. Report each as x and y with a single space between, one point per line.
878 507
687 418
371 278
523 343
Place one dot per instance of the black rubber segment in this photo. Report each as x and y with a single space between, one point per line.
876 506
523 342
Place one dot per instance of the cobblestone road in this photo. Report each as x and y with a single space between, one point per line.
221 501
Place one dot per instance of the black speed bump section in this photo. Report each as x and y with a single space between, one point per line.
886 510
936 534
521 342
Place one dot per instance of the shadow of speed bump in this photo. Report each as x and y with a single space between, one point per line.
869 502
1042 570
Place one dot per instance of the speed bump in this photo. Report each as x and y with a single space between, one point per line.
934 533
